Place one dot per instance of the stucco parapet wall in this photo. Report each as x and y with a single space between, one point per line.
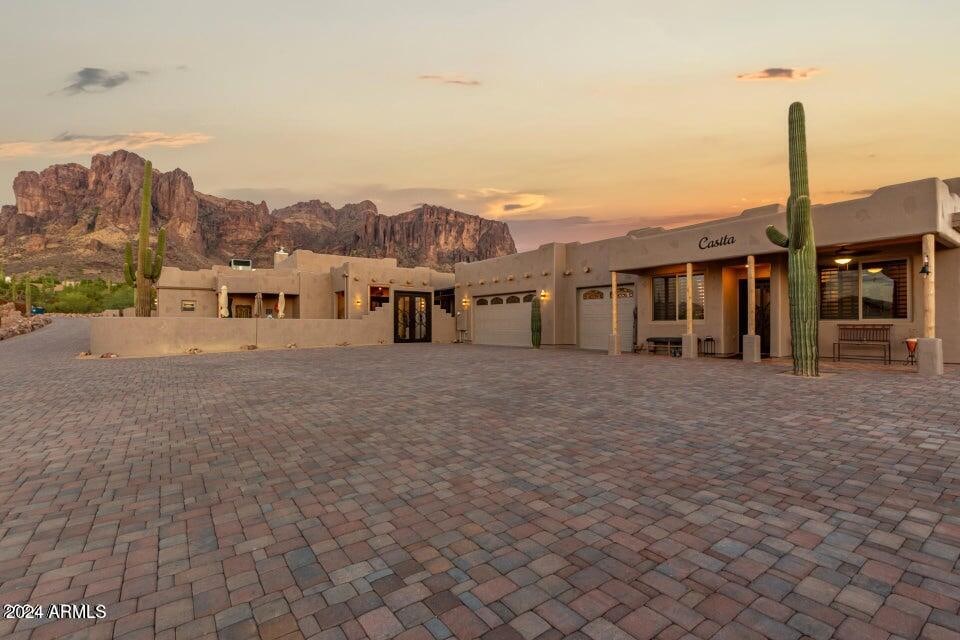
176 278
896 211
263 281
175 336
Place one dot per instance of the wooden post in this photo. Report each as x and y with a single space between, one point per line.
613 346
751 296
689 297
613 302
929 290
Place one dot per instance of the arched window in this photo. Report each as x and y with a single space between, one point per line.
482 302
497 300
593 294
624 292
513 300
528 297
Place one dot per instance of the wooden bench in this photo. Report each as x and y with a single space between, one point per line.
864 335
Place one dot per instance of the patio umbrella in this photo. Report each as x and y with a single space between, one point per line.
258 306
281 304
223 306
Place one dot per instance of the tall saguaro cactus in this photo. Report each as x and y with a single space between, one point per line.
535 328
149 265
802 254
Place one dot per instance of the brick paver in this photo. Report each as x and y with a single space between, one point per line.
428 491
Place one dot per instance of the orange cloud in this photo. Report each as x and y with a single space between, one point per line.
780 73
449 78
70 144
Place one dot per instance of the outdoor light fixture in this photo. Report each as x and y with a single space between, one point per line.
543 294
842 261
465 302
875 269
925 269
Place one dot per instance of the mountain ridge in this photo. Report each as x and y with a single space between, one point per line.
74 221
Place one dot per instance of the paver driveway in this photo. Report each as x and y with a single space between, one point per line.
426 491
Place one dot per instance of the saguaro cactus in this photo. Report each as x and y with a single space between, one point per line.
535 322
802 254
149 265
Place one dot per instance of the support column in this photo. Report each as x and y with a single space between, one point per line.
689 340
613 344
751 341
929 347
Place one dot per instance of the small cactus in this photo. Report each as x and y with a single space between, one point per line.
802 281
535 325
147 270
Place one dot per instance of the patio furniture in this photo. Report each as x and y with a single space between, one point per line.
911 351
709 347
671 345
864 335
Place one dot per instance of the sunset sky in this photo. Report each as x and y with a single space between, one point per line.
571 120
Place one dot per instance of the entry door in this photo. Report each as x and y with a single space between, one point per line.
762 314
411 316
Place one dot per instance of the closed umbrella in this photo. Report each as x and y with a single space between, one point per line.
258 306
281 304
223 305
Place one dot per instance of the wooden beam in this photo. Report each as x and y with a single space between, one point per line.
751 296
929 288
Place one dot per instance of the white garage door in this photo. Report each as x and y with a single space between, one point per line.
503 320
593 317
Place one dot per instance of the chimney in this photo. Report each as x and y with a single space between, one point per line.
280 255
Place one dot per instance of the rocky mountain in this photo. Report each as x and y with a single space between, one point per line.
72 220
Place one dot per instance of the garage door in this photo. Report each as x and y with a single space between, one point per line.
593 317
503 320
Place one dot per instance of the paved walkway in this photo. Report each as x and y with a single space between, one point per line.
426 491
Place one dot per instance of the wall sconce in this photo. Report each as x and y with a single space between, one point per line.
543 294
358 301
925 269
465 302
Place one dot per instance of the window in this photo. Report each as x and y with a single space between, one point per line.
497 300
593 294
513 299
482 302
668 305
188 305
625 292
445 299
871 290
379 296
528 297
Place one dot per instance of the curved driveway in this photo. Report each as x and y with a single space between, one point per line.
427 491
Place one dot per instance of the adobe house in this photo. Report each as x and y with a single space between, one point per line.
316 286
890 259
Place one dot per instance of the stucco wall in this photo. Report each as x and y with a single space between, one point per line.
443 326
170 336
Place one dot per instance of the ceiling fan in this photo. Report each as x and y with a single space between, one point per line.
844 255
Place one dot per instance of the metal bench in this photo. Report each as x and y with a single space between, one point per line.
669 345
864 335
672 345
